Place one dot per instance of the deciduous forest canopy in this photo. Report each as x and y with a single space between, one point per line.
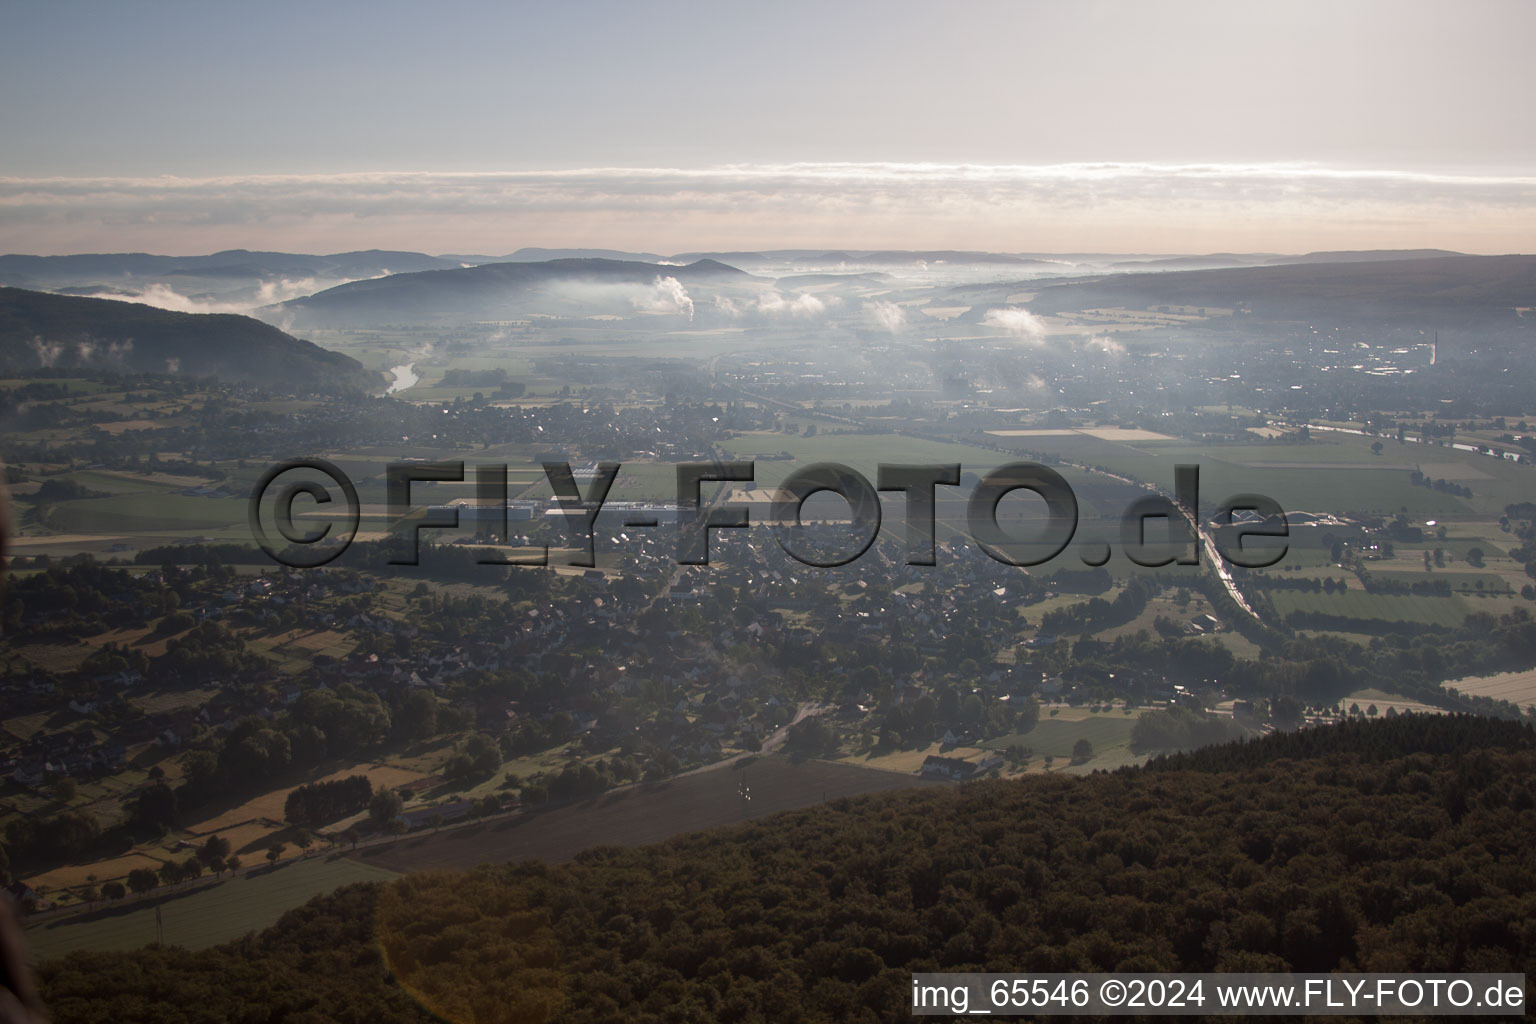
1391 845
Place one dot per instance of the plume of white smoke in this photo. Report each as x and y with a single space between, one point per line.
888 315
1020 323
172 365
667 295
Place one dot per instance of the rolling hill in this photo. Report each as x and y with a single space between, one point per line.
500 289
1441 291
52 272
43 331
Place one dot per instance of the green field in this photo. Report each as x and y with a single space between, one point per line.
148 511
1109 733
867 452
1357 604
203 917
1335 473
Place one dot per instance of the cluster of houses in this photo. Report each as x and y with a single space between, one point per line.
77 754
678 690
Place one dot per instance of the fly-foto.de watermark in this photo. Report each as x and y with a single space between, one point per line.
1155 530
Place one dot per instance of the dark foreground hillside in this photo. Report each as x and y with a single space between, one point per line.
43 331
1400 845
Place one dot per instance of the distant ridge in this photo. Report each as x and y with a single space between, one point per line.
809 280
109 268
39 330
1366 256
1211 262
488 290
890 257
1449 290
529 254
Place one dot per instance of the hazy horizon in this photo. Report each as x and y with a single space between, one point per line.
1179 127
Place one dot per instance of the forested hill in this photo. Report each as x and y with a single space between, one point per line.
496 289
1396 845
1438 292
39 330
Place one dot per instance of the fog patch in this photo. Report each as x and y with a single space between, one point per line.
47 352
266 293
798 305
662 295
1020 323
888 315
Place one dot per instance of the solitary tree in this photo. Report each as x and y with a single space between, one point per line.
385 806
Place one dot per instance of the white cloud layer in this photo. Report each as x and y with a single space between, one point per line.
797 305
1118 207
165 297
1020 323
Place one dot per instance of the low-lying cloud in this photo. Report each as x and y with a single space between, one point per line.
798 305
54 354
1105 344
773 304
888 315
1110 207
1020 323
163 296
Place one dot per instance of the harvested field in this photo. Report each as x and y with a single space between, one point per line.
1125 434
200 916
269 806
72 875
1515 687
251 838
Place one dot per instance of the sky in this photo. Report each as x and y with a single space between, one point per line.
1172 126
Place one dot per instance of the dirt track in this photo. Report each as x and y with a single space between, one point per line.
638 815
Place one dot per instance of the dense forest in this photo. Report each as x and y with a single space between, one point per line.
1392 845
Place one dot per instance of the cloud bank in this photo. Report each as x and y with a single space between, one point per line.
165 297
1117 207
1020 323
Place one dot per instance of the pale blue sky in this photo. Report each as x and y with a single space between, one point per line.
210 90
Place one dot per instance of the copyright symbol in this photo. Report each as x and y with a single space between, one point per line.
304 550
1112 992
